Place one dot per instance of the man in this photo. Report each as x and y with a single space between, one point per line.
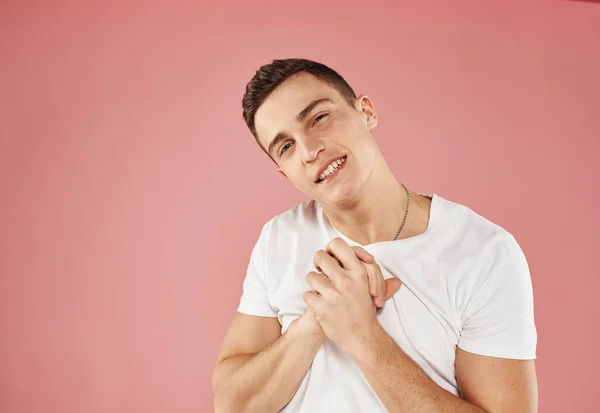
323 324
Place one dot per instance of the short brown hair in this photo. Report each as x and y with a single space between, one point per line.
271 75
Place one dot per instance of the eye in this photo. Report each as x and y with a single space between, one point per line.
285 148
318 118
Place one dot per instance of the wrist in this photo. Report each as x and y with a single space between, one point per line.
365 347
308 337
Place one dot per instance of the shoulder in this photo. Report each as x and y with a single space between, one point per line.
291 238
301 218
495 271
298 215
475 231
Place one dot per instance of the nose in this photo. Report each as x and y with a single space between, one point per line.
310 148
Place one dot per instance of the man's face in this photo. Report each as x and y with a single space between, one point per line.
319 142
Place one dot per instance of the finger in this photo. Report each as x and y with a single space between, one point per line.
363 255
392 286
339 249
320 282
312 299
328 265
377 285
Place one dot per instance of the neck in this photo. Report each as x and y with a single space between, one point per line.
376 213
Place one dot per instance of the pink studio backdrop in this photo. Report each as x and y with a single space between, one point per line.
132 192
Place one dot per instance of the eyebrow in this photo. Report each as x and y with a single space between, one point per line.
299 118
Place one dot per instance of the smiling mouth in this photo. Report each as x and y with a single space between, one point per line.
331 169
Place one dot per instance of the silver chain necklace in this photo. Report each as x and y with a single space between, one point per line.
405 213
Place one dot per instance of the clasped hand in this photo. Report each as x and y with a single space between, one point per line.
347 291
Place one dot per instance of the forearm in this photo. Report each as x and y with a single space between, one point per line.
266 381
400 383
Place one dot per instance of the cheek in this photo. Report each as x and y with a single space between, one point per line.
349 130
296 176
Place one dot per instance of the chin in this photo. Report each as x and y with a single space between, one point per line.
338 196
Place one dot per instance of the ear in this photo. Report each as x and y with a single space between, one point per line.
367 109
286 177
281 172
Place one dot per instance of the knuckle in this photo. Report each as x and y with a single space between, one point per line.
318 258
364 275
337 242
336 299
319 255
344 285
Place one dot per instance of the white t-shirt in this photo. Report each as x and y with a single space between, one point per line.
465 283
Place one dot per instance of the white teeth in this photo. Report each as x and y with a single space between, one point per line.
332 167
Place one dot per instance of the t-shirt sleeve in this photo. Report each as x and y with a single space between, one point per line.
498 319
255 299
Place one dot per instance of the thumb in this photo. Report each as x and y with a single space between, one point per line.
392 285
363 255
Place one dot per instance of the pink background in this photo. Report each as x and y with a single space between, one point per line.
132 192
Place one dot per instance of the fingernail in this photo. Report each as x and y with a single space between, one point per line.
380 302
